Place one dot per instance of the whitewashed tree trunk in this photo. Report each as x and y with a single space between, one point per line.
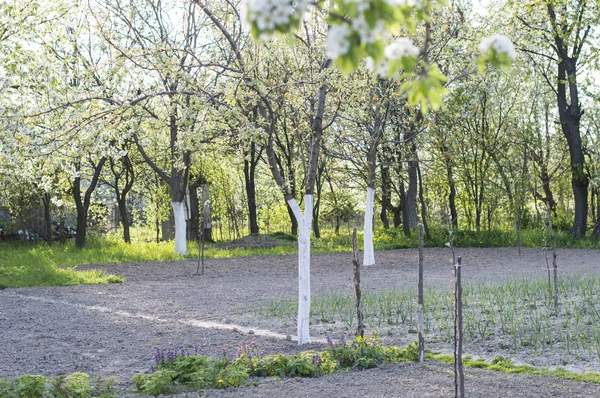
369 251
304 227
180 228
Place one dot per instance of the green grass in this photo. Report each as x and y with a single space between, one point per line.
23 265
505 365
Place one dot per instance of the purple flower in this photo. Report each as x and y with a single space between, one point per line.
159 356
329 342
317 360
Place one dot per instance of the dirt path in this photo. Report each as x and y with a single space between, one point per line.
114 329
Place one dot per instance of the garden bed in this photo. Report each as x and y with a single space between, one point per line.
114 329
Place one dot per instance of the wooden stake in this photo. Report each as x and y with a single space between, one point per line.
459 375
420 298
201 247
554 255
360 326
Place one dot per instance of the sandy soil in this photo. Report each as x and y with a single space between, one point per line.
114 329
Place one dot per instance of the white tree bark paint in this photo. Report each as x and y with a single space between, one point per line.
304 227
369 251
180 228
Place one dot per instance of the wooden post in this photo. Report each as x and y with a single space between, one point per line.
554 255
459 376
420 298
201 245
360 326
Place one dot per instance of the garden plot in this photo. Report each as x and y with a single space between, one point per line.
115 329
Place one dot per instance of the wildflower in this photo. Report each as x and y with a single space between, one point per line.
329 342
500 43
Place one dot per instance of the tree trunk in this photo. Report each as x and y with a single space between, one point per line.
385 196
249 178
46 199
570 113
369 251
124 218
293 220
596 232
405 217
452 198
423 207
304 221
83 203
317 206
180 228
397 213
479 208
410 204
81 228
125 171
195 211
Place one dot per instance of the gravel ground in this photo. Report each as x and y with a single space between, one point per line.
114 329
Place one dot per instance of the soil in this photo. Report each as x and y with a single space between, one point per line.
114 329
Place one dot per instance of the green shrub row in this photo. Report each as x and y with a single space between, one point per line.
197 372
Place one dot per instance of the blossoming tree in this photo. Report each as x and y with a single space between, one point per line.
360 30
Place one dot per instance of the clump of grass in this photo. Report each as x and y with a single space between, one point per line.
180 371
502 364
76 385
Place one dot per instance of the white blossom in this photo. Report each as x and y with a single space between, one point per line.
367 35
402 47
337 41
406 3
500 43
381 67
268 14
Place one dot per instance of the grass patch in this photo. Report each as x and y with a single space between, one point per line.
23 265
506 365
